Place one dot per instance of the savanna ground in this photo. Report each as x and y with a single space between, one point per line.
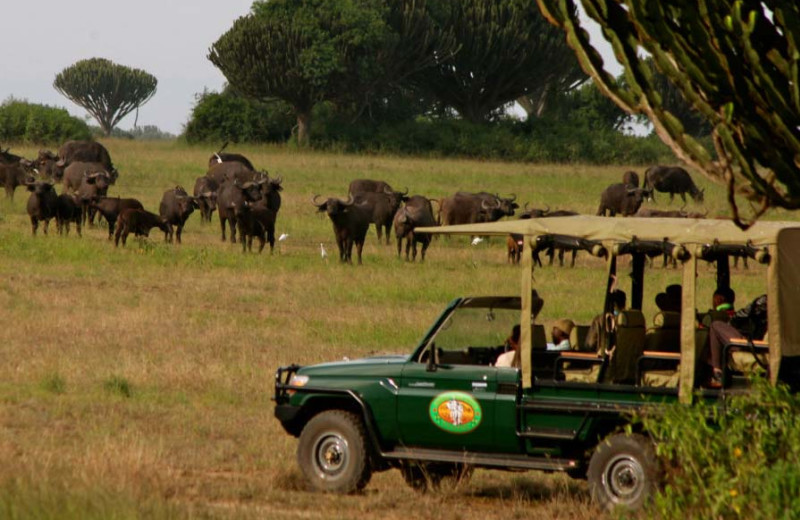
136 382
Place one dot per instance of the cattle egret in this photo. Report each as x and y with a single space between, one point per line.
283 237
322 252
476 241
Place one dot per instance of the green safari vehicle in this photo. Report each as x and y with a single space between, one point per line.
445 408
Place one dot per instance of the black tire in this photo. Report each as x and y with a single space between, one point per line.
332 452
624 472
424 477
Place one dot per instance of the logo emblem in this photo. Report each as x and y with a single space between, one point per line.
456 412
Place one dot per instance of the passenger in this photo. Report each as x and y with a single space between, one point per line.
560 334
510 357
720 333
670 299
619 301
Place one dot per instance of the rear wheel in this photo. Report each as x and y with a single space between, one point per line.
624 471
332 452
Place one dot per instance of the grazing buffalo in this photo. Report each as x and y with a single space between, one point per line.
255 221
139 222
13 175
175 208
93 186
621 198
230 196
205 193
111 207
75 173
228 171
68 209
84 151
672 180
220 157
42 204
350 224
631 178
417 212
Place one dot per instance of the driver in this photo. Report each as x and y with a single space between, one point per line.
510 357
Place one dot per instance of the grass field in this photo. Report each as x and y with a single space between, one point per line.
136 382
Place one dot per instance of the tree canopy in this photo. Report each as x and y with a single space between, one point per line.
307 51
108 91
735 62
506 50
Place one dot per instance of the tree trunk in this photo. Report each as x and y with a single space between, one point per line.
303 127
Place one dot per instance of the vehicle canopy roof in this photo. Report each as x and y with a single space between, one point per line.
780 240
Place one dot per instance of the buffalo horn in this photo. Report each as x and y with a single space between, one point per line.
513 197
314 201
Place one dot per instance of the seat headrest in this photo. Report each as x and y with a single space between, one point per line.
667 320
630 318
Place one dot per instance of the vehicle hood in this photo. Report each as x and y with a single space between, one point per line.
361 365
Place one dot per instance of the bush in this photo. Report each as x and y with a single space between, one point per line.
742 461
21 121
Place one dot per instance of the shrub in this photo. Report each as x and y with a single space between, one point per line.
741 461
21 121
118 385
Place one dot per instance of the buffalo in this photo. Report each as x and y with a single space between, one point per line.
42 204
7 157
220 157
381 208
621 198
175 208
11 176
230 196
205 193
139 222
47 165
672 180
255 221
417 212
469 208
228 171
631 178
84 151
68 209
92 187
112 207
75 173
350 224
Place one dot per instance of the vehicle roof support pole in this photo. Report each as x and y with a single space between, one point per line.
637 287
723 272
525 348
688 348
774 310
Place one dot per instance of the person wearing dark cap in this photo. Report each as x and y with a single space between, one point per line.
670 299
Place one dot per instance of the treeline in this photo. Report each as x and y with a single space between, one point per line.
411 77
21 121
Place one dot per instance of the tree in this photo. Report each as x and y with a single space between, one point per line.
506 50
735 62
308 51
108 91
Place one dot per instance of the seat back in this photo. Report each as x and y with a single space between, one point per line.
666 336
538 338
630 338
577 338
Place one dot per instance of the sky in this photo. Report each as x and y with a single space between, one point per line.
167 38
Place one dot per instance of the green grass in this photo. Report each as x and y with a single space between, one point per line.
136 381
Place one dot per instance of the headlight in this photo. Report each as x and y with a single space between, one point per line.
297 380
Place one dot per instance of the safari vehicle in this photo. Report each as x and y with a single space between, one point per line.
444 407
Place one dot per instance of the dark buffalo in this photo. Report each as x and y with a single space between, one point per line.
139 222
84 151
220 157
175 208
7 157
75 173
381 208
68 209
271 194
93 186
350 224
255 221
369 185
417 212
493 206
630 178
621 198
228 171
672 180
205 193
42 204
469 208
47 165
13 175
230 196
111 207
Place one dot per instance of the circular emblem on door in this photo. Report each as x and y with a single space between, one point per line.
456 412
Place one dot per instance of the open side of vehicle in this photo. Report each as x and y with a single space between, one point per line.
446 407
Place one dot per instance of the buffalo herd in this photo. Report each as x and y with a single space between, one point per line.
247 201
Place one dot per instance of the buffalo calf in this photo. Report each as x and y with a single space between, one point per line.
139 222
68 209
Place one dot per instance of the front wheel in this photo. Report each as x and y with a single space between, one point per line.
624 471
332 452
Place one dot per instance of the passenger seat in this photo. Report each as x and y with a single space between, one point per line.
630 338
